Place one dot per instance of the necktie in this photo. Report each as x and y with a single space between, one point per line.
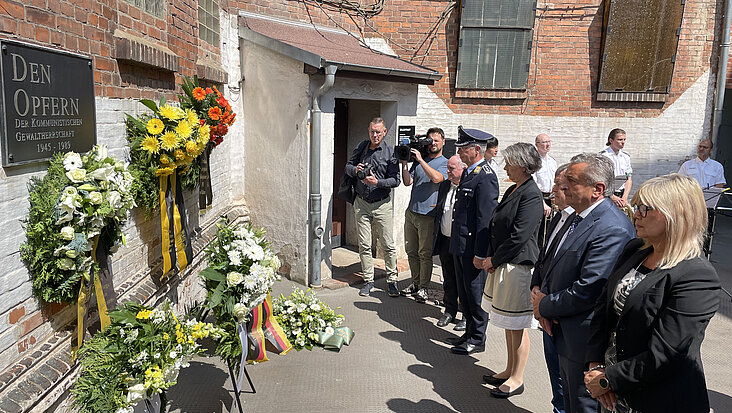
575 222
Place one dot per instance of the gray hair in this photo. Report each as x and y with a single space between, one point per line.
524 155
563 167
600 169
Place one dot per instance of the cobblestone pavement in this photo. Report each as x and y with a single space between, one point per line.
399 361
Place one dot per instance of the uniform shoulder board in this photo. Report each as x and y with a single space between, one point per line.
487 169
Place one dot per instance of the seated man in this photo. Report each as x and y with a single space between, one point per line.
705 170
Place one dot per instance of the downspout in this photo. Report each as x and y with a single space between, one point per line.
316 230
721 73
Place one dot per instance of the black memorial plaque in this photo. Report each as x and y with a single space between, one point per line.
47 102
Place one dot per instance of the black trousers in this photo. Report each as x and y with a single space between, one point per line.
470 283
449 281
576 398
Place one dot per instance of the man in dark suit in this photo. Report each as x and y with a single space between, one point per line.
477 197
584 257
446 195
555 232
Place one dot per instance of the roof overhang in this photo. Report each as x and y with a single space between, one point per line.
318 47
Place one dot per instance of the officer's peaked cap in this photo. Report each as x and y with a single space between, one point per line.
468 136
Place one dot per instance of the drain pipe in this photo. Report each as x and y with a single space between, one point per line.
316 229
721 73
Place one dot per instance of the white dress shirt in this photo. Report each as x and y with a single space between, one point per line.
446 222
621 161
565 213
544 177
708 173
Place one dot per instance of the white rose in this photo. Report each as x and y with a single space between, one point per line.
76 175
96 198
135 393
70 191
67 233
240 311
234 278
329 330
72 161
102 174
115 199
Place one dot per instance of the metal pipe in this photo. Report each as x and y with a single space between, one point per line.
316 229
721 74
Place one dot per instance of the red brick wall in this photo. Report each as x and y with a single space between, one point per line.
88 26
565 57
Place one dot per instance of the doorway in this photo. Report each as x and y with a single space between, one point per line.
340 157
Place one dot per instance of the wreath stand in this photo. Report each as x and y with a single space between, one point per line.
237 383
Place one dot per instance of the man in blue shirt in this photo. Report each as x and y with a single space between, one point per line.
374 161
424 176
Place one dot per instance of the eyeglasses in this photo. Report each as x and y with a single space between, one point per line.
642 210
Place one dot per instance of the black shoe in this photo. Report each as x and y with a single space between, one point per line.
493 381
467 348
505 395
460 326
409 290
421 296
393 290
444 320
366 289
456 341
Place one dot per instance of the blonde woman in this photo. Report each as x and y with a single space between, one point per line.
643 352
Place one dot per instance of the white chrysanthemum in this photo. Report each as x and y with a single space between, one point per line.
72 161
315 307
329 330
234 258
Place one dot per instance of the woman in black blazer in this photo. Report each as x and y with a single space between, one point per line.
511 256
644 348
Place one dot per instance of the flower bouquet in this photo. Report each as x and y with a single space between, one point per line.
306 319
139 355
210 105
80 205
241 272
163 143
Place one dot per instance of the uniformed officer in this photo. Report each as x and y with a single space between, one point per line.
477 197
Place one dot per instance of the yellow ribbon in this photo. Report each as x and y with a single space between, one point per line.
179 247
81 303
165 225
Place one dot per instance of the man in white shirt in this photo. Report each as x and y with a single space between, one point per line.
491 151
544 179
623 170
705 170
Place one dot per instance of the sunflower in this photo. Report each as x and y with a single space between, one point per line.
191 147
184 129
169 141
199 94
191 117
171 112
214 113
155 126
150 144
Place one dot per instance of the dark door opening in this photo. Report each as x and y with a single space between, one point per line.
340 157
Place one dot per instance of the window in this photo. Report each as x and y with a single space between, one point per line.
154 7
639 49
208 21
495 44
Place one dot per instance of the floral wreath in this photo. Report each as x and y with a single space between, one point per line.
80 205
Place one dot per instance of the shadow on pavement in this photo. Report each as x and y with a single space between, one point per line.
203 385
720 402
456 379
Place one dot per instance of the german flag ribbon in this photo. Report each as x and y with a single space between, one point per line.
264 326
172 210
83 300
340 336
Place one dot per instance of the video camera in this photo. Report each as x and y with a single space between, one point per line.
421 143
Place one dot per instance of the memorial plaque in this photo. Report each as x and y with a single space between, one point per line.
47 102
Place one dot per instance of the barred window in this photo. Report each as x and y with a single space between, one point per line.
154 7
640 38
208 21
495 44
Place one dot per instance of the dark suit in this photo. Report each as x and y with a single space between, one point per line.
441 247
476 199
658 334
551 358
573 282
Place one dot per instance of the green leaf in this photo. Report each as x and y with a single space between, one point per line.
213 275
216 296
150 104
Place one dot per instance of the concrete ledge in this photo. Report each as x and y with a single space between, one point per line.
128 47
210 70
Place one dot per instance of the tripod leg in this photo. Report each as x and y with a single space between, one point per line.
236 388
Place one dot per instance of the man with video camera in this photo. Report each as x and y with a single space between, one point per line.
424 176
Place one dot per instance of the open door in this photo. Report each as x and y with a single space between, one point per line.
340 158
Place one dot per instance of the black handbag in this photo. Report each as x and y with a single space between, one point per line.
346 187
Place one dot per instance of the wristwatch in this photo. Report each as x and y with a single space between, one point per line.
604 383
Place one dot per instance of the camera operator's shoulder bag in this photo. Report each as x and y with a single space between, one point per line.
346 189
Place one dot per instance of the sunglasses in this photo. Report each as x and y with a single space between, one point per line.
642 210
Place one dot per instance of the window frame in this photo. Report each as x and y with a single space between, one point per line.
209 22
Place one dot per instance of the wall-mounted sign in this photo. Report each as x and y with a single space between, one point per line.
47 102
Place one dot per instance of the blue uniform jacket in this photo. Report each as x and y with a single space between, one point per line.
477 197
